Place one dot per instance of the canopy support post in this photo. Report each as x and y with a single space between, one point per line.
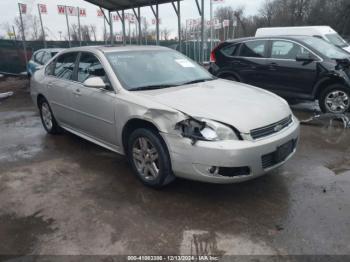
201 13
156 15
138 18
178 13
122 19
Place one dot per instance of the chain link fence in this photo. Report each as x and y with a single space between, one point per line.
13 59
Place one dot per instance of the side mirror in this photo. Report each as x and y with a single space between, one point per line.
94 82
305 57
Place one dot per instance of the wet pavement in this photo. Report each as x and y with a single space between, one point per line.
64 195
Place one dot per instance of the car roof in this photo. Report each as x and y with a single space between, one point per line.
51 50
121 48
286 37
321 29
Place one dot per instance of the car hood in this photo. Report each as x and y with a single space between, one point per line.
242 106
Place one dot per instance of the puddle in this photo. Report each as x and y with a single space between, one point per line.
19 235
202 243
340 168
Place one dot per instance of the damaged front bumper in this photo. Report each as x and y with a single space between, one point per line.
231 161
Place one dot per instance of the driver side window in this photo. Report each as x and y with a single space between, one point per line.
89 66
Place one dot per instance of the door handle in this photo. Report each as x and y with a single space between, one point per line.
272 66
77 92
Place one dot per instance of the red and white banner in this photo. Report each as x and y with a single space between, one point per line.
217 24
42 9
23 8
226 23
130 17
82 12
71 10
99 13
115 17
154 21
119 38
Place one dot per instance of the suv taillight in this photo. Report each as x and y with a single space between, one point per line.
213 53
212 57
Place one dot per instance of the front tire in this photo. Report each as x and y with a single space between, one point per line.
47 118
335 99
149 158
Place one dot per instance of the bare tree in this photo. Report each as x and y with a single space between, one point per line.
85 33
93 31
145 27
165 33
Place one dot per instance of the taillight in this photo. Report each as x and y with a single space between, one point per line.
212 53
212 57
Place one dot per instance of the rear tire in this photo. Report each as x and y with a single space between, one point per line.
149 158
47 118
335 99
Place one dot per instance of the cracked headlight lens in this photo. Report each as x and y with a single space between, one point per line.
207 130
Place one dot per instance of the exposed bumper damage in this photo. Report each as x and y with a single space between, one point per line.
244 159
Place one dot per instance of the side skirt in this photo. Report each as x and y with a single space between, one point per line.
108 146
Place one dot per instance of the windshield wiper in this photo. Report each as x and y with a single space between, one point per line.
150 87
153 87
198 81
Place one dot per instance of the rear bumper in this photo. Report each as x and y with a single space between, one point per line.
196 162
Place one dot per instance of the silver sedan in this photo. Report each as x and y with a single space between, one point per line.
168 115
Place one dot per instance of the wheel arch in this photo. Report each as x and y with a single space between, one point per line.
133 124
39 98
325 82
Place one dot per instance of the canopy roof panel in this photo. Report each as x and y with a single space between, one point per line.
116 5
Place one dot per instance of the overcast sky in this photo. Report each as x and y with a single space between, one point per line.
55 22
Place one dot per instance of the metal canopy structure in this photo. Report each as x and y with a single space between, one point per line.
119 6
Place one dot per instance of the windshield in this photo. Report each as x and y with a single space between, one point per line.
337 40
325 48
142 70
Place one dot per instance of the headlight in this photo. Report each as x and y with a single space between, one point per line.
207 130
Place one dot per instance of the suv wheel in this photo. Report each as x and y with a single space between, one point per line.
149 158
47 118
335 99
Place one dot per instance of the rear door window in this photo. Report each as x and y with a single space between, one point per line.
255 49
64 66
46 57
230 50
37 57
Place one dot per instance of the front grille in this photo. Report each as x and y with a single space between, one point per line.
271 129
278 156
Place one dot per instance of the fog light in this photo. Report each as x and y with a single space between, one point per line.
213 170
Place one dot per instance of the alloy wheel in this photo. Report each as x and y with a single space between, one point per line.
47 116
337 101
146 158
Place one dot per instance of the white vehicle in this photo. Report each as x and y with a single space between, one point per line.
324 32
167 114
